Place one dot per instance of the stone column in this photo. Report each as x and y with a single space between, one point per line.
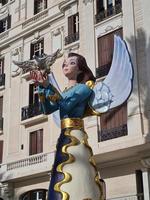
146 178
87 35
146 183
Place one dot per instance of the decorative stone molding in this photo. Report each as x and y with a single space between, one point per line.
6 190
107 30
87 1
37 35
146 162
4 12
5 9
56 32
57 38
35 18
15 55
66 5
4 35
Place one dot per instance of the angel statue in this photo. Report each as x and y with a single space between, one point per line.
74 174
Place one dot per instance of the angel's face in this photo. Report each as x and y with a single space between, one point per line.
70 68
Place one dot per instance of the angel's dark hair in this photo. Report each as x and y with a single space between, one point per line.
86 73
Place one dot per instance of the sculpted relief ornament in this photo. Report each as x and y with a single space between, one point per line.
74 174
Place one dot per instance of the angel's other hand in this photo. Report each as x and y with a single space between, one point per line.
39 76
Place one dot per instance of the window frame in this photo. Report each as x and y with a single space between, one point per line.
39 51
6 20
39 6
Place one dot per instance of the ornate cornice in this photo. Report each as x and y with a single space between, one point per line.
66 5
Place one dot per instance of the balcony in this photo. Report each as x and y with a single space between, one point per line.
30 111
71 38
2 80
108 134
131 197
104 14
39 16
32 165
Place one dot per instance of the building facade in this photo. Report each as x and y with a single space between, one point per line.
120 138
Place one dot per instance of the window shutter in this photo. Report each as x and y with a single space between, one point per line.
2 66
70 25
33 143
1 107
45 4
31 51
31 88
105 52
40 141
1 26
139 182
1 151
9 21
99 5
113 123
35 7
36 142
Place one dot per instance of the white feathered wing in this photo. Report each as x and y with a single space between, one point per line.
117 86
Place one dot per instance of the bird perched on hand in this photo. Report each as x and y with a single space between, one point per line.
43 62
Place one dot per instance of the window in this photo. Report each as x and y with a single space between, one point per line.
113 124
3 2
36 142
33 95
1 113
1 66
139 184
39 5
5 24
37 49
107 8
2 75
1 151
39 194
33 109
105 52
73 29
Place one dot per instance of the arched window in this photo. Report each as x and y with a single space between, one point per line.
38 194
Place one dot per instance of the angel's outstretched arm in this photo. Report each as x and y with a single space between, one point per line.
48 99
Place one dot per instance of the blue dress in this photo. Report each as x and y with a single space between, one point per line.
74 174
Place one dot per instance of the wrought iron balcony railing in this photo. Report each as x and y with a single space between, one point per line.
71 38
2 79
102 70
112 10
112 133
30 111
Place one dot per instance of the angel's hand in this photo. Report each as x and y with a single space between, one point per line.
40 77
